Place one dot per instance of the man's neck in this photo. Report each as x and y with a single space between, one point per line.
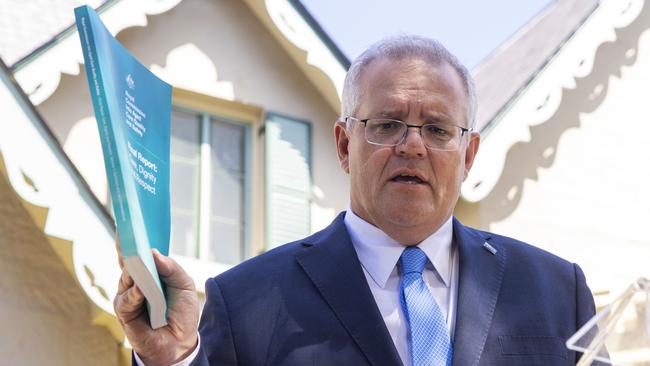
405 235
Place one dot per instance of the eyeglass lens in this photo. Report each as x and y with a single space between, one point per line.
392 132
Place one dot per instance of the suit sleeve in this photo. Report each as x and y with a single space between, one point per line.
585 308
584 299
217 344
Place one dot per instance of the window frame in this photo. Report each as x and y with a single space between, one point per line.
249 117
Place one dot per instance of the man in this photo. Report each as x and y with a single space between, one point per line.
395 279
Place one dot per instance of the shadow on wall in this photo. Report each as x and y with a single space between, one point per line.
41 300
525 158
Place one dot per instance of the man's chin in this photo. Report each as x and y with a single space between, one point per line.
409 214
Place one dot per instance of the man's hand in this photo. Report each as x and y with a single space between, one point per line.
176 340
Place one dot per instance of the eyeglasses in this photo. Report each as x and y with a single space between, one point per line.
392 132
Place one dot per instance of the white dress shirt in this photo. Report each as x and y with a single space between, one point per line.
379 256
184 362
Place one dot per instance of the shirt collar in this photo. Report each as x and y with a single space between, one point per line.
379 253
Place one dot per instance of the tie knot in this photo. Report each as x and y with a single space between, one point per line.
413 260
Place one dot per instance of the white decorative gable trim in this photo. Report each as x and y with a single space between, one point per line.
295 28
63 207
303 45
40 77
73 222
539 101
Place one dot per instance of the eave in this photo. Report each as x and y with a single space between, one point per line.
322 66
538 101
59 201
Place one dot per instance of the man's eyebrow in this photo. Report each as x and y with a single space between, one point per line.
389 114
437 117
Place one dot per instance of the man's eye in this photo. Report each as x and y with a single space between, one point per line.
436 130
388 125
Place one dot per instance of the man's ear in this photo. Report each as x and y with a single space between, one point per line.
342 140
470 152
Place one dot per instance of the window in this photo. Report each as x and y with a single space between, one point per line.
288 179
235 193
210 178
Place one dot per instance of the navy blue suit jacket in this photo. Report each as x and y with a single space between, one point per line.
308 303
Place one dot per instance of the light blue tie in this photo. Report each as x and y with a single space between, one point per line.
429 338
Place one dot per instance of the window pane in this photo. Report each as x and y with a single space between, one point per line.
184 185
228 146
184 182
185 129
227 195
225 246
183 235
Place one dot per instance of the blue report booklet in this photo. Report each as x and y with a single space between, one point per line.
133 109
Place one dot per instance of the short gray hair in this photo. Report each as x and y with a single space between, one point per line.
400 47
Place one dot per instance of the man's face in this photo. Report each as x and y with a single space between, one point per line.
413 91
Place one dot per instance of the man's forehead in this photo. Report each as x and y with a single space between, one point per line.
404 63
394 88
396 82
401 110
410 73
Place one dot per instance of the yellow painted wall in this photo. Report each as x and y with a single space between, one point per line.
45 315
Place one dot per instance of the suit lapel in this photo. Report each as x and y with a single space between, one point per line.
481 273
331 263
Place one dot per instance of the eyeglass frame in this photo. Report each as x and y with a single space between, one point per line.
463 131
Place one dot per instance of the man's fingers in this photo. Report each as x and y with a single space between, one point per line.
171 272
125 282
131 313
129 304
164 264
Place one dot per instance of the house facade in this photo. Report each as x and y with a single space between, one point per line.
562 163
253 164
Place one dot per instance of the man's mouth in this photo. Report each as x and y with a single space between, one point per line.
409 179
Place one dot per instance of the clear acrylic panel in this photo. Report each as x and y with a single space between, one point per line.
620 333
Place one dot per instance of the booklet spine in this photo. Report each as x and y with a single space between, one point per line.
104 123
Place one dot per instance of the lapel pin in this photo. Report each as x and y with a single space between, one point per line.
489 248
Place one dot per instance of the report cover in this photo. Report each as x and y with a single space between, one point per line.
133 108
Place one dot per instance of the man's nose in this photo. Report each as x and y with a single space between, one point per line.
412 145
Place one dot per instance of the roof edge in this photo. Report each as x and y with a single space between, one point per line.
59 201
517 34
39 75
306 43
540 99
327 40
66 32
55 142
504 108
